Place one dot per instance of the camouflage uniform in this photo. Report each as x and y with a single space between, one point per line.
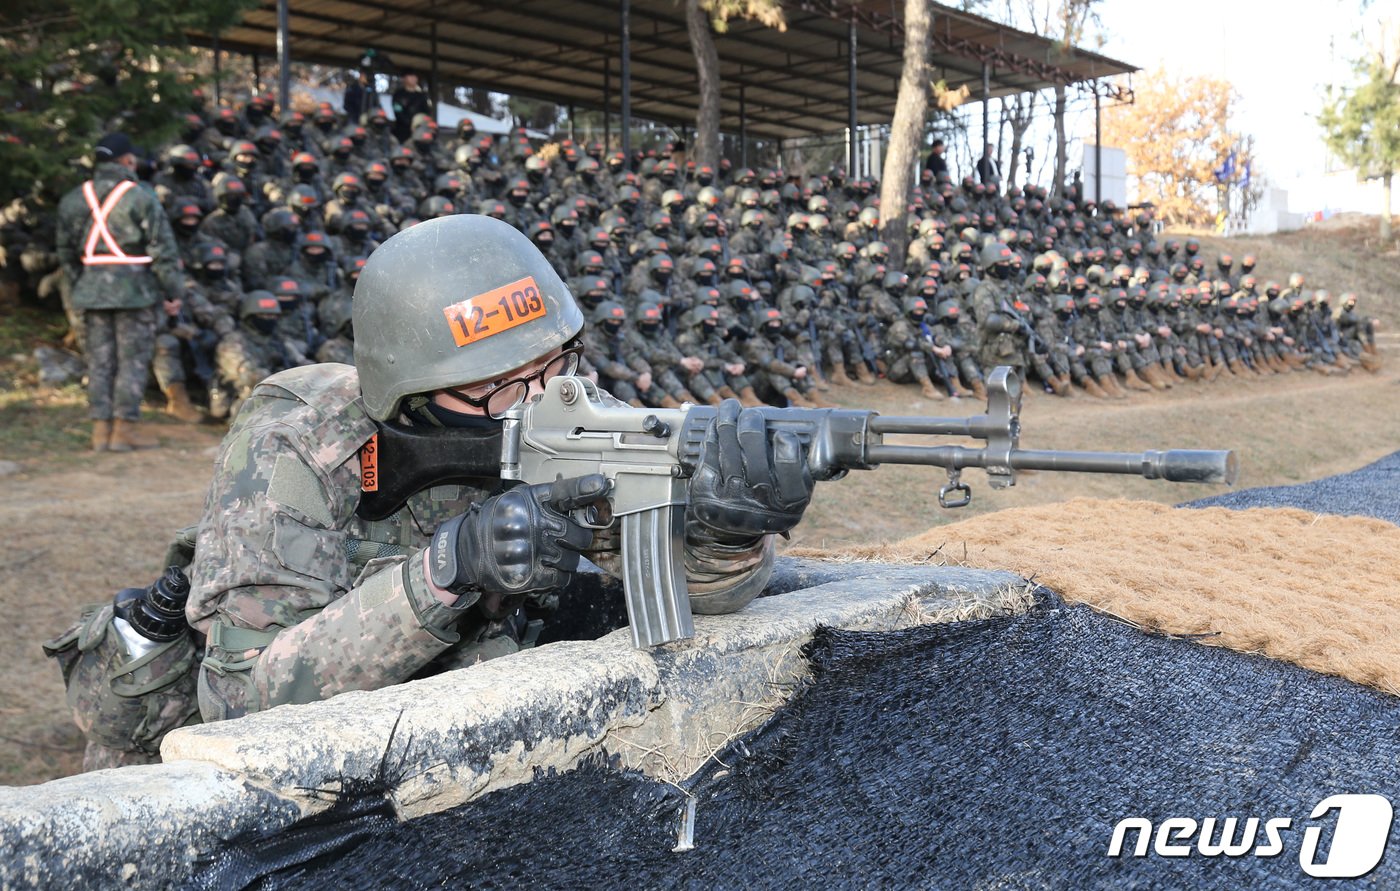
300 598
118 302
243 358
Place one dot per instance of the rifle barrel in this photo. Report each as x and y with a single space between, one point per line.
1175 465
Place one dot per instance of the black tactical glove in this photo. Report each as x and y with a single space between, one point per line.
516 542
746 487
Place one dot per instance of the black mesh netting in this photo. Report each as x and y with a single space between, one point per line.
996 753
1372 491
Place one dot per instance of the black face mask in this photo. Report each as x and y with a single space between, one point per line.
184 173
612 328
232 203
457 420
187 228
214 274
263 326
287 235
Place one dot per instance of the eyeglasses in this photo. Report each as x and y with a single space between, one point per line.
505 395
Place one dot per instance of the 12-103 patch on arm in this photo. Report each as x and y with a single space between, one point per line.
497 310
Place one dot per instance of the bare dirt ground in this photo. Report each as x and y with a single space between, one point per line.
78 526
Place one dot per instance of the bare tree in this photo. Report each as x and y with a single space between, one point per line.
906 131
1022 113
703 19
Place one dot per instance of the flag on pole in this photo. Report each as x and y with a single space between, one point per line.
1226 171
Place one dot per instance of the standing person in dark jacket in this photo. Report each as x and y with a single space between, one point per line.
409 99
937 163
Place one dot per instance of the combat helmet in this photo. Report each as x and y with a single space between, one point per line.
422 304
259 303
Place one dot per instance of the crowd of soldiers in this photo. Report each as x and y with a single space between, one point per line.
705 283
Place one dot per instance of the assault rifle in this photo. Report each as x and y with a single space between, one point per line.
1037 344
648 455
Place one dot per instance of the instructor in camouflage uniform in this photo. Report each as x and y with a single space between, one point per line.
118 251
301 598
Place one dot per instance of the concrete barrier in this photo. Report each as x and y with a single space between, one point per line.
453 737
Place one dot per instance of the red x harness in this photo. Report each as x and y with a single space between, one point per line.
99 231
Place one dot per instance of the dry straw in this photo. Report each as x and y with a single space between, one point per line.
1317 590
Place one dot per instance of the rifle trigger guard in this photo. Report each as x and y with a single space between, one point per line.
955 484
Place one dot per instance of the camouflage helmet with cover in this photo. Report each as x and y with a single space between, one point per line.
428 299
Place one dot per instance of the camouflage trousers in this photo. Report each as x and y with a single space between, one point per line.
119 345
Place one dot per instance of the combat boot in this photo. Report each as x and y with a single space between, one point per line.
818 380
1170 373
727 392
1060 385
714 399
979 389
178 405
101 434
749 398
125 437
930 391
839 376
1109 383
1370 362
796 399
669 401
1210 371
1133 382
1153 375
1195 372
1369 348
1092 387
864 375
820 401
1236 367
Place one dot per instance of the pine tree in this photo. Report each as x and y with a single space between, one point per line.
1361 125
75 69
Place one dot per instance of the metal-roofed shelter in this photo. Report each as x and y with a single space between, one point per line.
633 57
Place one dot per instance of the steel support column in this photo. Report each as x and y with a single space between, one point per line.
257 73
433 92
607 107
284 58
853 146
743 130
1098 148
218 72
626 25
986 105
572 135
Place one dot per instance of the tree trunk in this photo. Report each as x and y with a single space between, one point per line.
1060 160
906 132
1385 209
702 44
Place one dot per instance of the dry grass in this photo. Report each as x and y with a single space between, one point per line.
1317 590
